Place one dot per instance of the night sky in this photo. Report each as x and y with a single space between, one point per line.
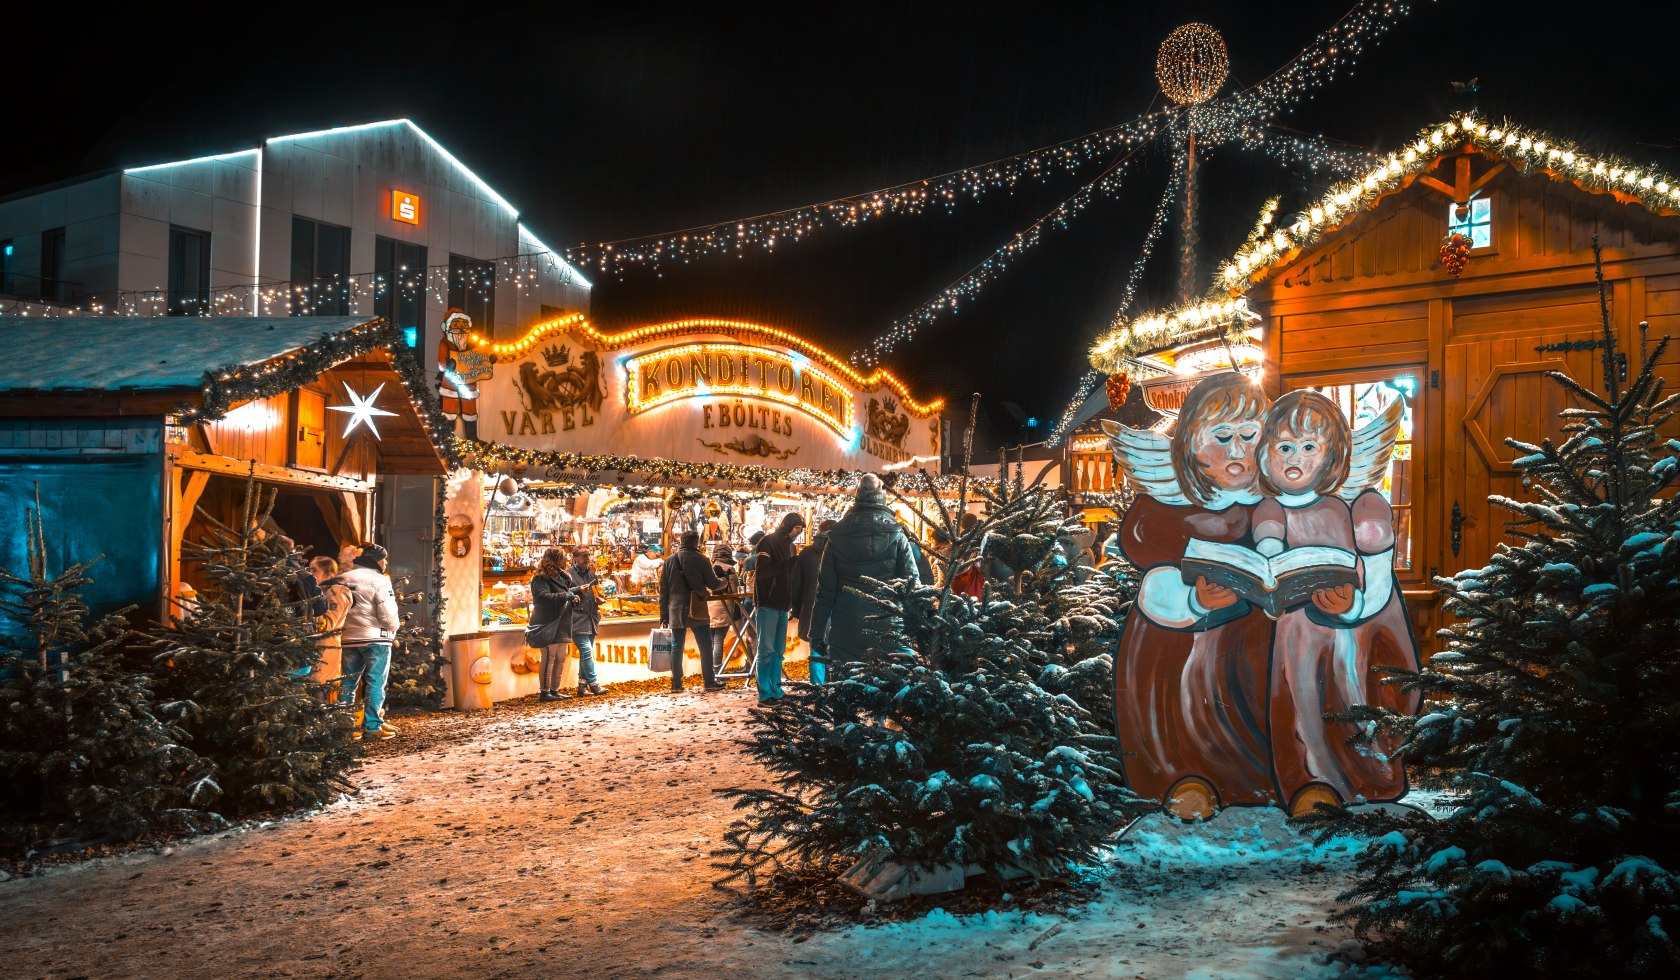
606 124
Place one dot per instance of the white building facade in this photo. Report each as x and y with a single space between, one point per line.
378 219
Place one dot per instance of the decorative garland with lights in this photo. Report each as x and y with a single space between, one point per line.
346 295
1647 186
637 471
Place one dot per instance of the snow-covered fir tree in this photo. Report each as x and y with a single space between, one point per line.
83 754
960 737
237 666
1554 716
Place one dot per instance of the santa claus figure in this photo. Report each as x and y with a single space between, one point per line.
460 369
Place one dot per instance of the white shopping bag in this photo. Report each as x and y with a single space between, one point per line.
660 642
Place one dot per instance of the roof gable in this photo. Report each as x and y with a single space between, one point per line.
1272 249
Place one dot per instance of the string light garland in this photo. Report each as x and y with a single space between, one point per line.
1334 51
359 294
950 299
1089 381
1191 64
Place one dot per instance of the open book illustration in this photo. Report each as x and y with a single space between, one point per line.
1275 584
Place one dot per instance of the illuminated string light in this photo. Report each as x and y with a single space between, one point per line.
1331 53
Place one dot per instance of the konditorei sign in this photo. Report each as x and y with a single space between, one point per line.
709 390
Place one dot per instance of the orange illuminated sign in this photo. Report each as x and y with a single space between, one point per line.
405 207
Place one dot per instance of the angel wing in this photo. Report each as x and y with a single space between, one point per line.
1373 449
1146 458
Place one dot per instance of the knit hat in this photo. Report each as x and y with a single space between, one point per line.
371 556
869 492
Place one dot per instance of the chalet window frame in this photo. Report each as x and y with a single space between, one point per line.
1471 223
1416 574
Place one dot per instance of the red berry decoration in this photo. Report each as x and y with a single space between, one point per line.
1455 254
1118 387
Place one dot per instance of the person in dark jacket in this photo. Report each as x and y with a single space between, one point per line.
586 620
924 571
550 631
683 574
867 542
805 570
773 595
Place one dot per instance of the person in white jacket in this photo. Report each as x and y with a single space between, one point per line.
369 629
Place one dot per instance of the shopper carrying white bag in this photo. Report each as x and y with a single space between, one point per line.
659 650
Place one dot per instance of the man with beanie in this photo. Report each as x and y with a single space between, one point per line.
773 593
867 543
369 629
805 570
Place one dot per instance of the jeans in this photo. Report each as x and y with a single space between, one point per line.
371 664
772 643
553 666
819 665
702 642
585 644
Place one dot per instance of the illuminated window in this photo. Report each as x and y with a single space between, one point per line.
1477 224
7 250
320 269
1361 401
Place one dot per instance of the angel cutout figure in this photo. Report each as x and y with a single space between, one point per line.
1320 485
1191 669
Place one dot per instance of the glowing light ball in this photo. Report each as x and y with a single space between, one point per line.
1192 64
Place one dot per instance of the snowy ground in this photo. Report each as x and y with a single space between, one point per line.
571 840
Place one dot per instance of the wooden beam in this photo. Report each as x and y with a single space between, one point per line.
186 487
353 517
1481 182
266 472
1445 190
344 451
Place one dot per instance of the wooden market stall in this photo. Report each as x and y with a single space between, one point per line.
621 441
133 428
1356 295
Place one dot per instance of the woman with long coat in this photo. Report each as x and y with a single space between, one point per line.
550 631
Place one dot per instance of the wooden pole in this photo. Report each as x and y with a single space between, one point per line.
1187 256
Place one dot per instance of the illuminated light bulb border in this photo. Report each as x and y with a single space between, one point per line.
578 323
737 388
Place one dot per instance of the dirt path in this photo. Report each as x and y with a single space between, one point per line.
534 842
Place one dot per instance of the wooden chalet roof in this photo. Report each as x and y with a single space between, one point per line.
113 353
1272 249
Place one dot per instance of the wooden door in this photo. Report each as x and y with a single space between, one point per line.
1495 388
310 436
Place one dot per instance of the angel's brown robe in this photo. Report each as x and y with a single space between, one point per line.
1190 685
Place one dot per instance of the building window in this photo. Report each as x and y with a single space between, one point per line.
399 282
472 290
8 252
1477 224
52 265
320 269
1360 401
189 272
